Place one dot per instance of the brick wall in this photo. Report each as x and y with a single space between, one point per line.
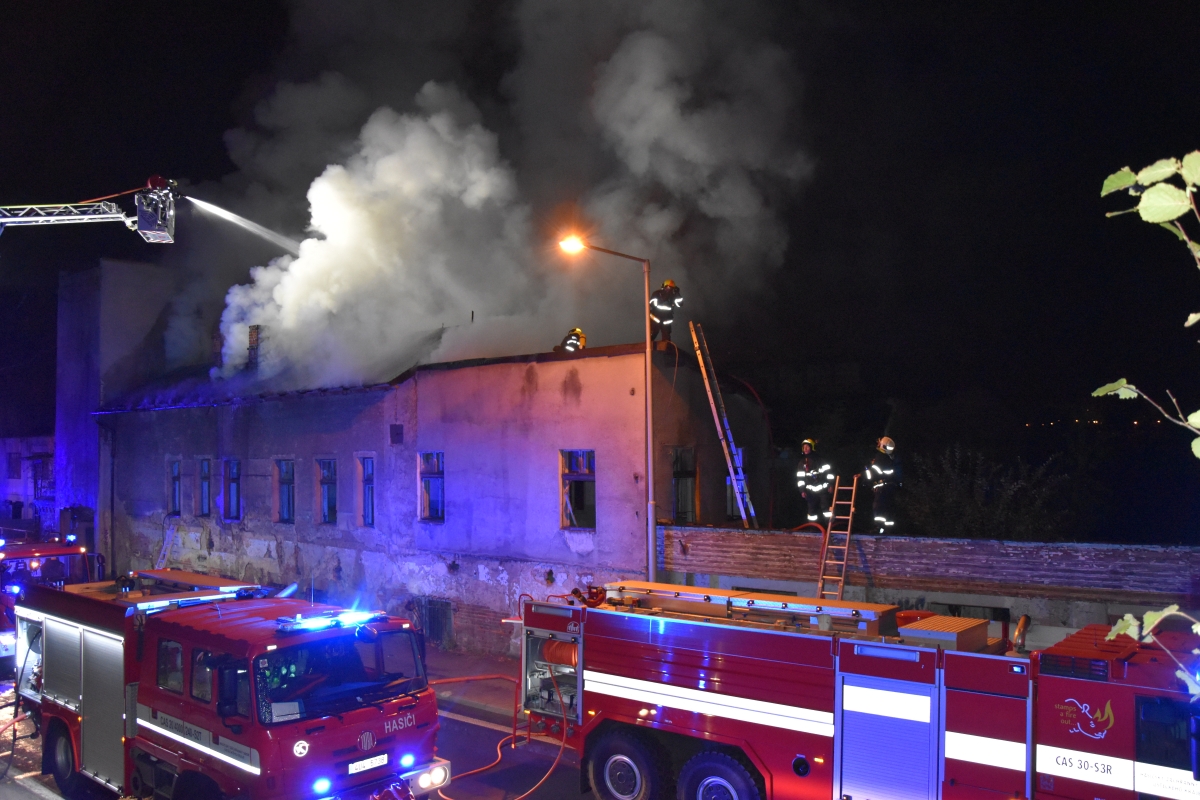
478 628
1126 573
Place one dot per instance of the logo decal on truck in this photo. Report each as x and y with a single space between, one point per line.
1079 718
366 740
572 627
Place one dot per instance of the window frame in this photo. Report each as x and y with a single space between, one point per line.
204 498
158 667
176 472
366 465
199 654
286 490
427 478
682 473
233 489
327 481
568 479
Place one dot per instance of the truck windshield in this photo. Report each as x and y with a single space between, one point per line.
330 676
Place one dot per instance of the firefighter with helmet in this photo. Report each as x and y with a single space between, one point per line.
814 479
663 303
885 477
573 342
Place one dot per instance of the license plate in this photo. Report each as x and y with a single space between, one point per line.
368 763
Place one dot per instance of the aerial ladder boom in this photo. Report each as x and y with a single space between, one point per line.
154 218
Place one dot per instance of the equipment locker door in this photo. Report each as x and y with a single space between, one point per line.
889 739
987 707
103 727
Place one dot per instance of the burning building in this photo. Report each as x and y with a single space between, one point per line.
447 491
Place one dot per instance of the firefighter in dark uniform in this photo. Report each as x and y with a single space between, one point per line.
663 303
573 342
885 477
814 477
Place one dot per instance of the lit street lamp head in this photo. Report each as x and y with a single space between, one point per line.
572 245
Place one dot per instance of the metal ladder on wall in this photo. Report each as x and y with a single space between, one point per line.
168 541
733 456
835 547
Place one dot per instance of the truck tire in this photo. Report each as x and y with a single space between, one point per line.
716 776
194 786
623 766
61 758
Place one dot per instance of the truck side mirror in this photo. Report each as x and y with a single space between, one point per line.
227 688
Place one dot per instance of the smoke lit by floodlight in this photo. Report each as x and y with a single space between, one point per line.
572 245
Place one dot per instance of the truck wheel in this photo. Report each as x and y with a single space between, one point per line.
716 776
623 767
193 786
62 761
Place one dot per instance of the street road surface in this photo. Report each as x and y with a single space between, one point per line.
467 742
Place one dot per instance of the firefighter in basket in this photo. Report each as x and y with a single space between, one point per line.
884 477
573 342
814 477
663 303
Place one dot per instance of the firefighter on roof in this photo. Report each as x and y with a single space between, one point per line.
814 479
573 342
663 303
885 477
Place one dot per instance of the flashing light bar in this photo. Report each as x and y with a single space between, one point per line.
330 619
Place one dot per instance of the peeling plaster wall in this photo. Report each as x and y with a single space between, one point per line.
501 426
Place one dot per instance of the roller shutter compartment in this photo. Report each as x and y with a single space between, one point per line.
103 708
60 670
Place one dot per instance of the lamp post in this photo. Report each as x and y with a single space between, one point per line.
573 245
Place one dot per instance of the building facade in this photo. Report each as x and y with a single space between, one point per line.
445 494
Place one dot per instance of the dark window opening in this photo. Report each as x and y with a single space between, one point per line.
176 489
328 467
683 484
579 489
205 487
436 620
287 490
433 487
233 489
368 492
14 466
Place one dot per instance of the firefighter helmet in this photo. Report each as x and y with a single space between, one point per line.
668 284
885 445
810 442
582 336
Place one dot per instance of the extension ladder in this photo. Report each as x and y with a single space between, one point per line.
168 540
835 547
733 456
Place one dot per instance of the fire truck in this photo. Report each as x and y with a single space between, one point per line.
21 563
709 694
180 686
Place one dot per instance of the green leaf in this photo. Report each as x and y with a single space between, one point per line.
1192 686
1163 203
1196 447
1118 180
1127 625
1158 171
1196 628
1194 419
1191 320
1121 389
1174 230
1191 168
1151 618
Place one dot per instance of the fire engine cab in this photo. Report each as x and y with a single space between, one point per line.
709 694
180 686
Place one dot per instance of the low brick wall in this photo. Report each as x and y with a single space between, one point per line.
1138 574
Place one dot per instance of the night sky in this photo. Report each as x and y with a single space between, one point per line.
950 274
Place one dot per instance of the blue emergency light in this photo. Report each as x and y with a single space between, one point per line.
330 619
322 785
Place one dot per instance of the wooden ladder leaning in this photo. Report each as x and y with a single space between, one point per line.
733 456
835 547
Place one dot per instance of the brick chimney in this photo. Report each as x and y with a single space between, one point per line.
252 348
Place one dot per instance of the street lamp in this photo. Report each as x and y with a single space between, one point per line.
574 245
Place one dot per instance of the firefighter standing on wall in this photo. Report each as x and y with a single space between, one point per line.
663 303
573 342
814 479
885 477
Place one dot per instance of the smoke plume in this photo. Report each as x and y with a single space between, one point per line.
663 129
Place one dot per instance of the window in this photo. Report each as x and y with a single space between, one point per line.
287 490
683 484
14 466
176 489
328 467
205 487
368 492
202 676
433 487
579 488
170 666
233 489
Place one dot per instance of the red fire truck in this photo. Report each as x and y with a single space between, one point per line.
726 695
22 563
180 686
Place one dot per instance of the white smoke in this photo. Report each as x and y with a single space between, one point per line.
667 125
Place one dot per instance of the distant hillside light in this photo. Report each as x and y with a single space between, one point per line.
572 244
